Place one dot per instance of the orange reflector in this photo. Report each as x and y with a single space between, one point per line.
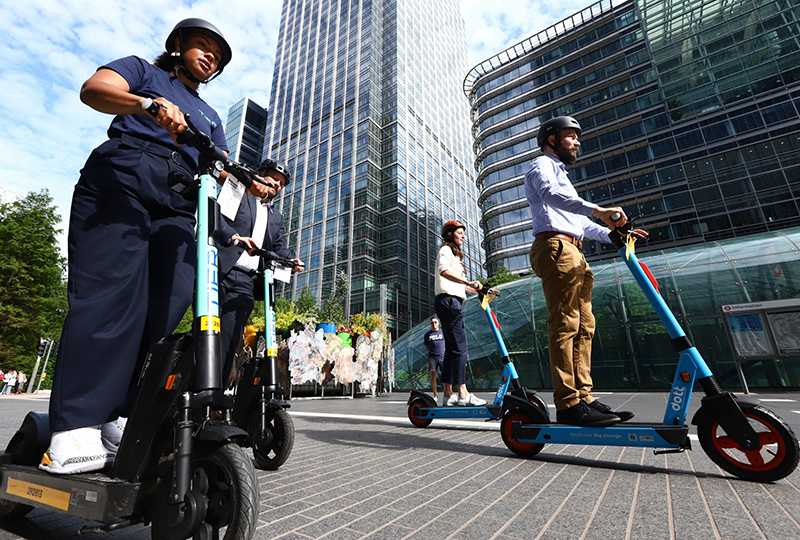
170 382
505 379
255 381
685 377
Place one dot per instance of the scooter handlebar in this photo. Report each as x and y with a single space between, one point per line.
484 291
202 143
269 256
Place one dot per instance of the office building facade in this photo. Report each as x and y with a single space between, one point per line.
244 131
689 113
366 108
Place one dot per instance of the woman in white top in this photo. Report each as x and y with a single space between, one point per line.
451 291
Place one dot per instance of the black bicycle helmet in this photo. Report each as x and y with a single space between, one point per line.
273 165
451 226
554 126
200 26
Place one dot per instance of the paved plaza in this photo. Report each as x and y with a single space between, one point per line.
359 470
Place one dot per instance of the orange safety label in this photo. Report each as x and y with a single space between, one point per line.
34 492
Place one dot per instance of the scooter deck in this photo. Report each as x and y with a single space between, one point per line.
488 412
627 434
90 496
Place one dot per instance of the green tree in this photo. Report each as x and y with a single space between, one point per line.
306 301
33 300
503 275
332 310
186 322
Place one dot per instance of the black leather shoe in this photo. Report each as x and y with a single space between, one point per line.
624 416
583 415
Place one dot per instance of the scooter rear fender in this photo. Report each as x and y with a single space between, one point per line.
29 442
429 401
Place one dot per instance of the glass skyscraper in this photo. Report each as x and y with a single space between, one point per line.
366 108
244 132
689 113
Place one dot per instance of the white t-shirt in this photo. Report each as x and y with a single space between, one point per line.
446 260
246 261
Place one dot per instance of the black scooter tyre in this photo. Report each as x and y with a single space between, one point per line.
413 413
776 459
271 456
226 481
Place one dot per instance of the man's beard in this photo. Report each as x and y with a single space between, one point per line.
565 155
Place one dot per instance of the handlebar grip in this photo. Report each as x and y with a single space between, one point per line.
151 106
615 216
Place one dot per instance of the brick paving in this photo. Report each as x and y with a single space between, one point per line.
359 470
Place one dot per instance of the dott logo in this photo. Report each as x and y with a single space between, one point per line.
676 399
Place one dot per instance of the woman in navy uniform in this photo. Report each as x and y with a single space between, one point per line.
131 239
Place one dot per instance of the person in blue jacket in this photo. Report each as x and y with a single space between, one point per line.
131 247
256 225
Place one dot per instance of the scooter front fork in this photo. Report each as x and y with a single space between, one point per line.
182 472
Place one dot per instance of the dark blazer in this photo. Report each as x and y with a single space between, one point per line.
274 239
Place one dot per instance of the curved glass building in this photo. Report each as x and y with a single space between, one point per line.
689 113
631 350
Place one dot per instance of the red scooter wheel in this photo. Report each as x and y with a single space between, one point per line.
414 414
522 449
776 457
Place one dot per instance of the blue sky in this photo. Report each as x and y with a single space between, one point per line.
49 47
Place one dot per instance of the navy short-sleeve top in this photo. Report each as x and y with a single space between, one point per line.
147 80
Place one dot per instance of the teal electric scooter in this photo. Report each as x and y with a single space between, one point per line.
178 468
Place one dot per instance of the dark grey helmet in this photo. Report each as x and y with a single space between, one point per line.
201 26
274 165
554 126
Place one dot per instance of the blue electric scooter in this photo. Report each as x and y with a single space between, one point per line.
423 409
738 434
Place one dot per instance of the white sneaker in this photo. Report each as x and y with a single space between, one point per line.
471 401
76 451
452 401
111 433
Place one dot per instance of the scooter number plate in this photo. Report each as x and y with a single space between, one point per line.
34 492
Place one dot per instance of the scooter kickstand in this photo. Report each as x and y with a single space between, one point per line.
669 451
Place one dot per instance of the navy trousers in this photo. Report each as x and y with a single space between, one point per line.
456 353
131 251
236 299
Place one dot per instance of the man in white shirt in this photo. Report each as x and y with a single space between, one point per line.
560 223
258 225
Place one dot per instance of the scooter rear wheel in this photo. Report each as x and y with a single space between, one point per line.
414 415
522 449
272 450
776 458
10 509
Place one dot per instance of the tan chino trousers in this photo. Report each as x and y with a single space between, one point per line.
567 282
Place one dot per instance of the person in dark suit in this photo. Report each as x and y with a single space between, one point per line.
257 225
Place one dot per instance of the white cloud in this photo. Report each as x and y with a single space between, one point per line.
50 47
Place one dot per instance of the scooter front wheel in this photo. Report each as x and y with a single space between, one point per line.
414 415
776 457
271 450
226 483
522 449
